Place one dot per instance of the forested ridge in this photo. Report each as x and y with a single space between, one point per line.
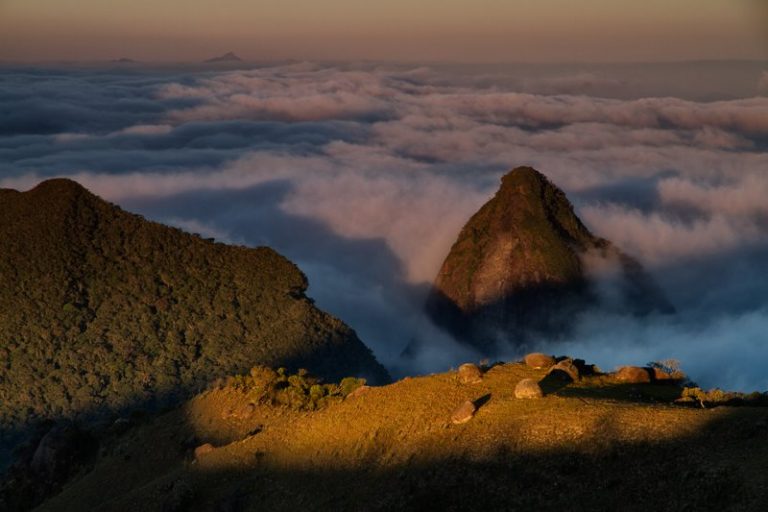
101 310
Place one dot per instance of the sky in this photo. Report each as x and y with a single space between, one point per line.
364 173
471 31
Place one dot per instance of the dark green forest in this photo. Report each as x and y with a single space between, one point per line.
102 310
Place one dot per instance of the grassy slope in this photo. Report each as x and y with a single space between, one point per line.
594 445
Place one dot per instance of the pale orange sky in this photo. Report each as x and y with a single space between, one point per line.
399 30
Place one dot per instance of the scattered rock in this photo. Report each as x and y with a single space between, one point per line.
539 360
528 388
359 391
203 449
463 413
633 375
565 370
470 374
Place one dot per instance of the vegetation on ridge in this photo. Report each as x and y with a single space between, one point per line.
101 310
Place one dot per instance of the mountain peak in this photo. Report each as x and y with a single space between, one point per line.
517 265
56 196
227 57
522 176
59 185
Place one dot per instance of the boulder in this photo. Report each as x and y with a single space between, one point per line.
470 374
538 360
528 388
203 449
633 375
565 370
463 413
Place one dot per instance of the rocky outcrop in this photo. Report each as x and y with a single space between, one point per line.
528 388
633 375
538 360
565 370
517 270
463 413
470 374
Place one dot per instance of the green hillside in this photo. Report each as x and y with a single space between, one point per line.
103 311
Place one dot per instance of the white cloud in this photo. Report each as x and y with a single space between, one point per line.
746 196
658 239
427 151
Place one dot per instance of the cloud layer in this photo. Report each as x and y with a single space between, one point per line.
364 175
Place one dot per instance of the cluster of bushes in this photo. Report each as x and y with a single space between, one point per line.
300 391
715 397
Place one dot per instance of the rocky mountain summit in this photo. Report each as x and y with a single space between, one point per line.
525 264
102 311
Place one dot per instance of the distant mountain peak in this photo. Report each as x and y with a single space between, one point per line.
227 57
59 184
62 191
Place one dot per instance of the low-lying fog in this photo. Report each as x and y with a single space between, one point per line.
363 175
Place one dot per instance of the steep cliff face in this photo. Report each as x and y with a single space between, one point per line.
102 310
518 267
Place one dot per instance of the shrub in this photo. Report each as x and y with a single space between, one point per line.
300 391
349 384
671 367
716 397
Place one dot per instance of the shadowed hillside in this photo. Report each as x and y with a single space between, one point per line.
268 441
101 310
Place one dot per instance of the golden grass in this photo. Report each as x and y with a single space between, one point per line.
388 430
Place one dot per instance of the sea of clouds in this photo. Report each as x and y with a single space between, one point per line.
363 175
